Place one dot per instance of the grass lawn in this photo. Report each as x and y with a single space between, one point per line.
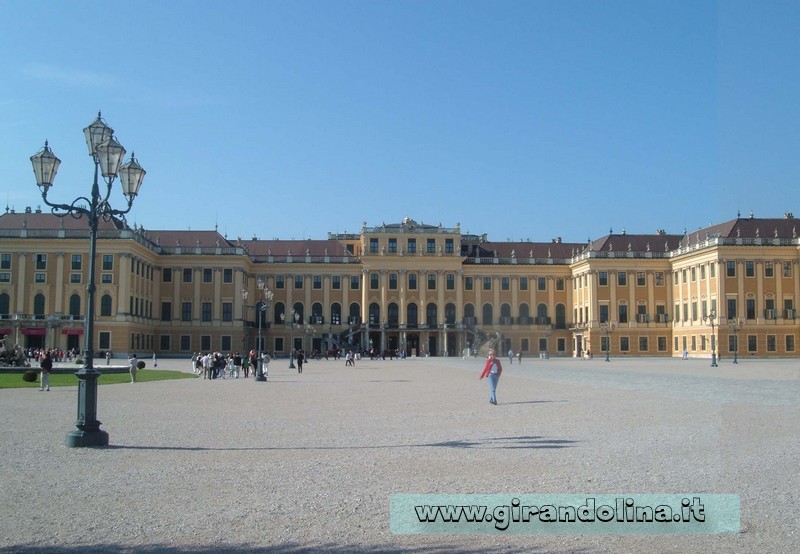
14 381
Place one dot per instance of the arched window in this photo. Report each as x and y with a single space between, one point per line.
38 306
561 316
450 314
277 311
524 313
5 304
431 314
355 314
541 311
298 309
487 314
105 305
374 313
316 313
394 314
336 313
469 310
412 312
505 310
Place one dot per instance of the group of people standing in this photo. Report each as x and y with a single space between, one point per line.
216 365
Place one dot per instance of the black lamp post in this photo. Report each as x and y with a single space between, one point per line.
107 155
607 327
267 295
710 319
294 318
735 326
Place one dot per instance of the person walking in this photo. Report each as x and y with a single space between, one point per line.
300 358
155 360
492 370
46 366
510 356
132 363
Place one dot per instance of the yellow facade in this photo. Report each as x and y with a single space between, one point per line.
407 286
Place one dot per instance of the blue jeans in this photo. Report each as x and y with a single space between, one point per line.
493 379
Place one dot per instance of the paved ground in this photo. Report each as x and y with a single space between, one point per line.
307 463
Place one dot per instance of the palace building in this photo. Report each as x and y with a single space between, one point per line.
731 289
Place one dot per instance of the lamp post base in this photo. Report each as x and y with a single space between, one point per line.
261 377
80 439
291 364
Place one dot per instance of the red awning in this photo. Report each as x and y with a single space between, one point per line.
34 331
6 331
72 331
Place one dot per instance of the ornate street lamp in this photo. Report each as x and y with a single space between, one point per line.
607 327
107 155
293 319
267 296
735 326
710 320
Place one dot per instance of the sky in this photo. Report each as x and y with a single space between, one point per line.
524 120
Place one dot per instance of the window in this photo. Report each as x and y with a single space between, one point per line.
752 343
393 281
105 340
40 278
205 343
772 343
298 282
694 274
751 308
431 281
186 343
41 262
622 278
730 268
317 282
749 268
5 277
374 281
623 313
448 246
541 283
393 246
662 344
559 283
75 305
225 343
412 281
166 275
166 311
412 246
468 283
205 308
790 343
641 280
186 311
450 280
227 275
487 283
685 307
731 308
523 283
227 311
505 283
280 282
683 276
694 310
107 278
5 261
702 272
164 343
373 245
659 278
787 269
712 270
769 270
603 313
105 305
354 282
336 282
602 278
77 262
75 278
431 246
187 275
624 344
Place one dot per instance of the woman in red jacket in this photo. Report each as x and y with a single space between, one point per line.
492 369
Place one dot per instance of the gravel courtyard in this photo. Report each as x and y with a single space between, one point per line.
307 462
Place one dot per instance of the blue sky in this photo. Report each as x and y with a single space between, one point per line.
522 120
